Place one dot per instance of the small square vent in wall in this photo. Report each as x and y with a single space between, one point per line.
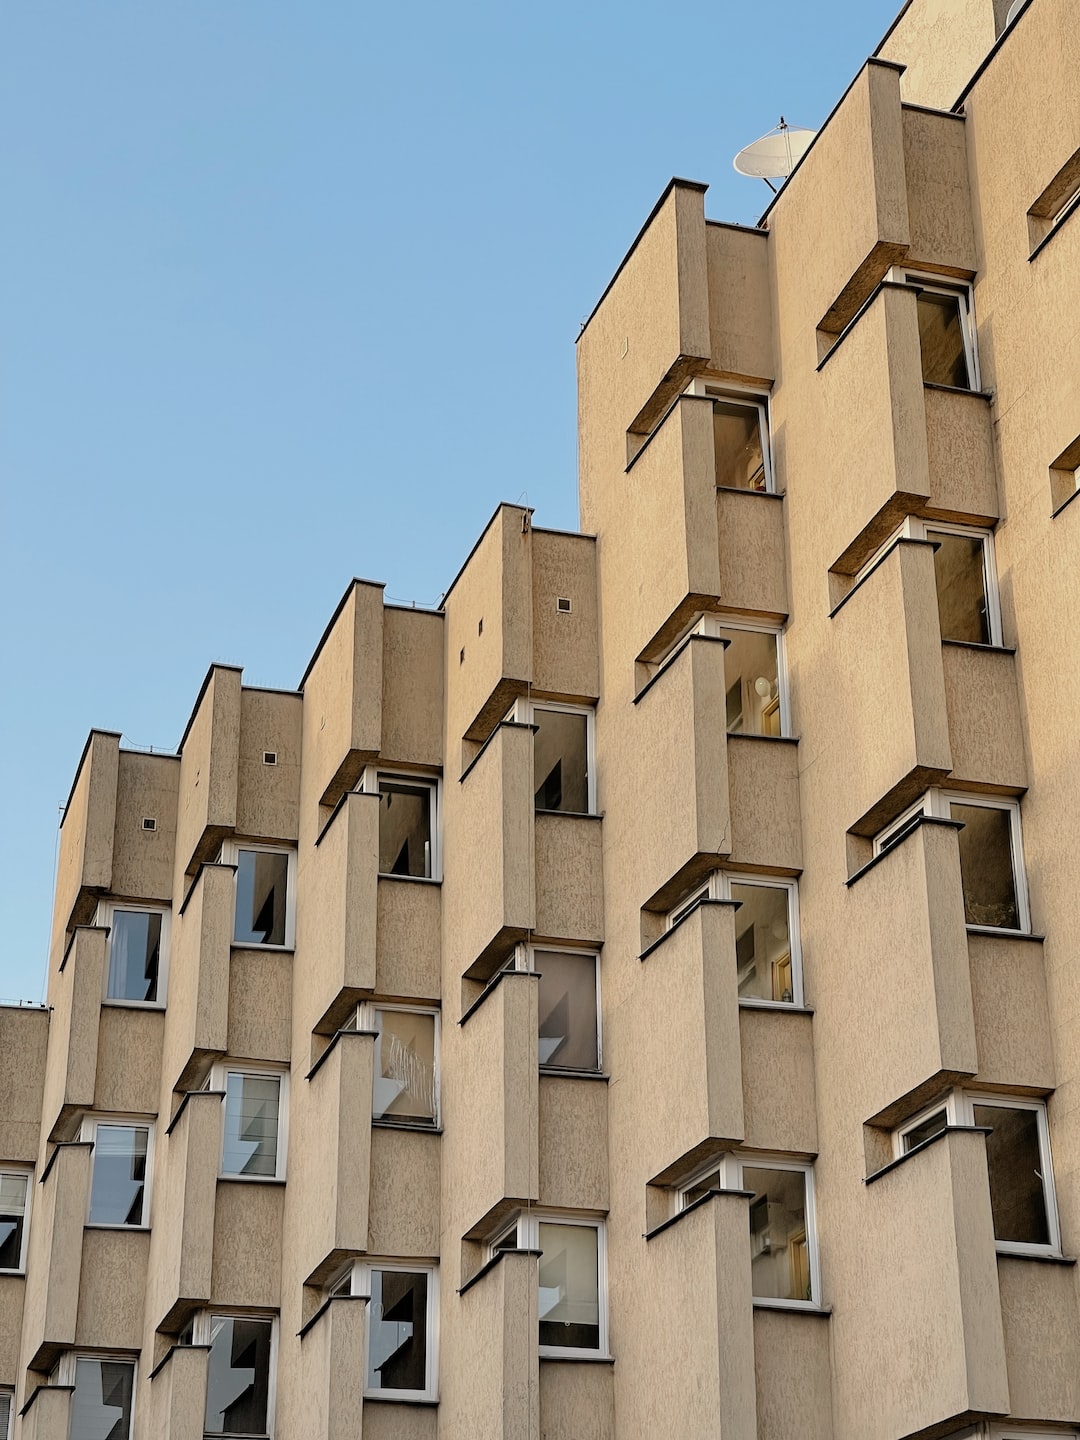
563 605
269 757
149 823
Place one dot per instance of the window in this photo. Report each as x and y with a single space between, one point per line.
740 438
408 823
946 330
253 1144
571 1279
568 1004
265 886
103 1402
767 954
564 755
1056 203
991 855
137 948
14 1207
7 1408
756 701
239 1388
406 1081
402 1331
1017 1160
965 576
1065 475
120 1172
783 1245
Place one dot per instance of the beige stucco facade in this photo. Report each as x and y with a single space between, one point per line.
905 1308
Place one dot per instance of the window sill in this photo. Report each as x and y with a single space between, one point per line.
373 1396
770 739
745 490
253 1179
555 1072
794 1307
105 1225
1065 504
117 1004
575 814
575 1357
958 390
977 645
787 1006
255 945
419 1128
1044 1257
1006 934
1070 209
412 879
21 1272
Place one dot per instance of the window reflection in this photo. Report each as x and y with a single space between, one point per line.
561 760
763 942
238 1379
261 895
752 674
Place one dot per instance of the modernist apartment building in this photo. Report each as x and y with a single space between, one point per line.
639 998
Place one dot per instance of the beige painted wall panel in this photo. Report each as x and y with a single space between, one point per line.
573 1141
940 42
24 1037
199 975
938 192
129 1060
413 673
569 877
186 1164
343 696
143 860
740 301
85 860
960 455
1042 1338
55 1251
766 821
206 807
409 939
71 1072
403 1214
385 1421
247 1244
565 646
12 1288
794 1375
779 1099
50 1417
577 1402
983 708
113 1288
260 1004
1012 1019
268 796
753 554
690 1047
177 1399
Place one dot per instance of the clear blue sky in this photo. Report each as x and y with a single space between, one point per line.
289 294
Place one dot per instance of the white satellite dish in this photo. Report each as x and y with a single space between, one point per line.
776 154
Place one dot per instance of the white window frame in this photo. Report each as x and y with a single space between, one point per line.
63 1372
218 1080
718 887
107 909
367 1018
946 285
202 1328
355 1279
915 527
525 1227
522 712
88 1132
369 785
27 1173
936 802
230 855
753 400
730 1168
958 1105
714 623
524 958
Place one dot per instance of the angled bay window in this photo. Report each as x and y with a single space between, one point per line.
740 437
120 1172
783 1244
240 1372
965 576
14 1211
253 1139
405 1089
265 894
571 1279
7 1406
564 755
568 1002
103 1395
402 1330
137 952
991 855
946 330
754 679
408 823
1018 1162
767 952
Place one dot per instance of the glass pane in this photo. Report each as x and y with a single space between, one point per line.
737 445
705 1186
119 1175
567 1008
944 358
13 1190
986 866
239 1376
569 1286
932 1125
561 761
134 955
261 881
101 1404
961 587
404 1086
779 1251
404 828
1014 1160
753 686
251 1124
397 1331
763 942
5 1416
